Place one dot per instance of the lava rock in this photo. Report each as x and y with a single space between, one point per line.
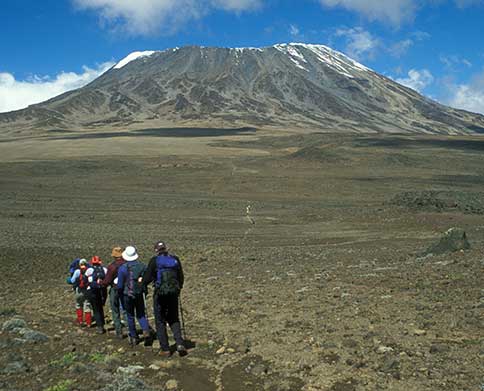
32 335
454 239
126 383
130 370
14 324
15 367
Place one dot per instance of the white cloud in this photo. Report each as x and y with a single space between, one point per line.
417 79
400 48
145 17
360 43
453 62
294 30
468 96
390 11
18 94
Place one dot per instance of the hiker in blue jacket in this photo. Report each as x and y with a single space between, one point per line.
130 288
165 271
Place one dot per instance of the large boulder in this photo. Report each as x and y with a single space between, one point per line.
455 239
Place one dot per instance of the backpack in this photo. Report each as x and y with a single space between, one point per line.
167 282
98 272
133 286
73 266
83 282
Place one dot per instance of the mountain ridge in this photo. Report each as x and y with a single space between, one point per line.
294 85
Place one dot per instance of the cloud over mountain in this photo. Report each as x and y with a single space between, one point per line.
18 94
144 17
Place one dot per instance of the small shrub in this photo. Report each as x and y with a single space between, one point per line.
97 357
65 361
64 385
8 311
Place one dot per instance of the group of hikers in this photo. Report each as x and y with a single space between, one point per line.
127 279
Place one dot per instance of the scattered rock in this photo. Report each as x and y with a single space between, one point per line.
441 201
154 367
419 332
126 383
384 349
390 364
454 239
130 369
32 335
15 367
14 324
221 350
171 385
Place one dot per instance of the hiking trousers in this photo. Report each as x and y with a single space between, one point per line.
117 309
135 306
96 299
165 308
82 301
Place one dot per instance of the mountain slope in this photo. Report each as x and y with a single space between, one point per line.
287 85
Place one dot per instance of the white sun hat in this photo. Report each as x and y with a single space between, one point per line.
130 254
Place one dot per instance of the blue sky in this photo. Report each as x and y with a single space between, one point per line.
434 46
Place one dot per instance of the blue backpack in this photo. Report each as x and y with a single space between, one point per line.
72 268
167 268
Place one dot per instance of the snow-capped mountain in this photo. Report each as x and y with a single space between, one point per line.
283 86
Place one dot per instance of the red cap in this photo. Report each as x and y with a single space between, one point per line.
95 260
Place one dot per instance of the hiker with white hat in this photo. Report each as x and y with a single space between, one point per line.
130 288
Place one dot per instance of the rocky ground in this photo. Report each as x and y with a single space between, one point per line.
322 286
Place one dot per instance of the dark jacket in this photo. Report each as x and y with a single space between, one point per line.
151 272
112 273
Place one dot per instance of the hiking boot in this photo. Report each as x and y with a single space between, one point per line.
182 351
148 338
164 353
100 330
133 341
119 335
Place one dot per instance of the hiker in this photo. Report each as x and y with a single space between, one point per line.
111 280
131 289
80 282
165 271
96 292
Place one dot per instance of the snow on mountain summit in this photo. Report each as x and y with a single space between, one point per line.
133 56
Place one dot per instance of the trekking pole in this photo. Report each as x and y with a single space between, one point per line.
182 321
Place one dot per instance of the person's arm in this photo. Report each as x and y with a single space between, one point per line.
150 272
121 278
109 277
75 276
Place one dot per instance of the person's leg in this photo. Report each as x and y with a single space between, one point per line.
143 320
79 297
173 319
101 321
160 320
141 313
114 302
97 306
130 308
87 310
